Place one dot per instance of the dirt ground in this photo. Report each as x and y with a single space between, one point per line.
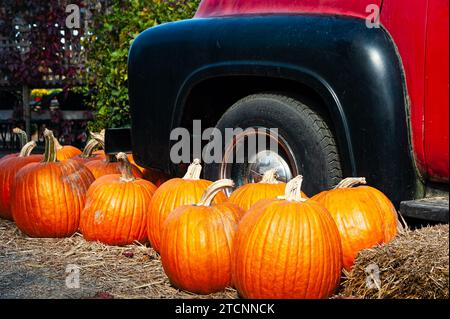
48 268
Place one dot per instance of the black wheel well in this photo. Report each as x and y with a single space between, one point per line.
209 99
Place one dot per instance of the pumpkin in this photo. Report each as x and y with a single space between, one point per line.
248 194
64 152
287 247
108 165
8 169
47 197
174 193
364 216
23 139
197 241
116 207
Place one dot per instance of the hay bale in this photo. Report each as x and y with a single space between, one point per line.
414 265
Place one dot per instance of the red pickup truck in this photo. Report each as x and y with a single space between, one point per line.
355 88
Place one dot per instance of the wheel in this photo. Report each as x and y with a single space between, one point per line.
305 144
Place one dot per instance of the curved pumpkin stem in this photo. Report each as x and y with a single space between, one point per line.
293 192
27 148
57 144
349 182
23 138
270 177
89 148
100 138
125 168
213 189
194 170
50 147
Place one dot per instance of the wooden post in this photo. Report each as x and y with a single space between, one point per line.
26 109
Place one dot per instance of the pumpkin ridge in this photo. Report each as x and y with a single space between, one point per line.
54 191
135 230
335 264
185 249
309 240
120 194
76 174
176 254
327 267
122 198
299 244
97 204
289 242
266 239
315 277
63 172
381 217
250 246
222 222
137 203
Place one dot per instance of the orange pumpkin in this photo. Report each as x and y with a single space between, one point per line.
64 152
172 194
197 242
48 197
23 139
116 207
364 216
248 194
8 169
287 247
109 164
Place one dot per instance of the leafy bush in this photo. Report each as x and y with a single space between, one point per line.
36 28
112 28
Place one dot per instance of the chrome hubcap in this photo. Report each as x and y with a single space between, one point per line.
254 166
266 160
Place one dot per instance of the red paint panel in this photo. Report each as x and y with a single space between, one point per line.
214 8
406 22
437 91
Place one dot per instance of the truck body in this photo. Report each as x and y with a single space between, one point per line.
370 76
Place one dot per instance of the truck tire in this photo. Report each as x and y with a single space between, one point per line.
306 144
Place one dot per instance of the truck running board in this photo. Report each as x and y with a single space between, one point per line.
434 209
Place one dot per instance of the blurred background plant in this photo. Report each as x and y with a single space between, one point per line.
112 28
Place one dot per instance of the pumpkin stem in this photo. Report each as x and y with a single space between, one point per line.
349 182
100 138
293 190
125 168
194 170
213 189
27 148
23 138
50 147
89 148
57 144
270 177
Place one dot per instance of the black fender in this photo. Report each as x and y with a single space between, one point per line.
355 70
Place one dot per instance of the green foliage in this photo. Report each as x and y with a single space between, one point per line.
111 32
